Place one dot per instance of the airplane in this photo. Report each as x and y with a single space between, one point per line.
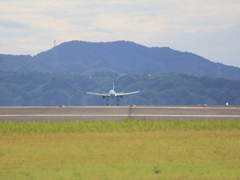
113 94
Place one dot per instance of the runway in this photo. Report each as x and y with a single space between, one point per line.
72 113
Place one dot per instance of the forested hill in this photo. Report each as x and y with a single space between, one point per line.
85 58
45 89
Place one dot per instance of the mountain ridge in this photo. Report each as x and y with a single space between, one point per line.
119 56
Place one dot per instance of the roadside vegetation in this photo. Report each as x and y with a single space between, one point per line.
127 149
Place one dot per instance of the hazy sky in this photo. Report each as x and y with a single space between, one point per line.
209 28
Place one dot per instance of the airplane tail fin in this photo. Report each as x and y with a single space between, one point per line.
113 85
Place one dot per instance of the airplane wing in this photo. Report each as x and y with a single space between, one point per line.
123 94
98 94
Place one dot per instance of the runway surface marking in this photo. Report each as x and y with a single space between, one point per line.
109 115
133 107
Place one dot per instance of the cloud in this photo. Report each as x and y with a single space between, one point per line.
204 27
13 24
102 30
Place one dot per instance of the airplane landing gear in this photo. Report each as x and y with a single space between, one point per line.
107 101
117 101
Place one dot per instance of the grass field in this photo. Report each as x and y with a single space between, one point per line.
117 150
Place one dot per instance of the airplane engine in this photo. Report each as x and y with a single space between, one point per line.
121 96
103 97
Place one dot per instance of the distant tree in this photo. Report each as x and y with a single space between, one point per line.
40 89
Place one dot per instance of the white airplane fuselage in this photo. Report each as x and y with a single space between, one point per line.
112 93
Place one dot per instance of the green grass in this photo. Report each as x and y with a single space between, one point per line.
125 125
117 150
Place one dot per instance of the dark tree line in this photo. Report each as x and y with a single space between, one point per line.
45 89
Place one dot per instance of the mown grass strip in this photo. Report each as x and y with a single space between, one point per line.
125 125
127 149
